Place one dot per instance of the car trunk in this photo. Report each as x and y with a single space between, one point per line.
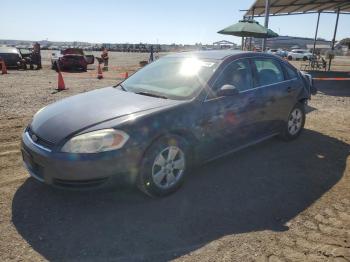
10 59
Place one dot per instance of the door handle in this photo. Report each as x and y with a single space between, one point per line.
289 89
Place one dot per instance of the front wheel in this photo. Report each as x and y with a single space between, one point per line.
295 123
163 166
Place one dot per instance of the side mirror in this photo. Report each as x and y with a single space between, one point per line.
228 90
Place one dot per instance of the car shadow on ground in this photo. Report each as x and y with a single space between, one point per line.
259 188
334 88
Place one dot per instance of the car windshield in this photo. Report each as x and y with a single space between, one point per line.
178 78
25 51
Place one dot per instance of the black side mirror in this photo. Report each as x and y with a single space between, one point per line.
228 90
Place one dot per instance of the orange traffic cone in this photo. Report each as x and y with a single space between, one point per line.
3 67
126 75
60 86
99 72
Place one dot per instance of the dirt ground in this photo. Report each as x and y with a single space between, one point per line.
275 201
339 64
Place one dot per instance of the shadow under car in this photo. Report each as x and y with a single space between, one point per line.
259 188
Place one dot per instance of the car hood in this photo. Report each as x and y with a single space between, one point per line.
74 114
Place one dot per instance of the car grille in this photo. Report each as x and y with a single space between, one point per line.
40 141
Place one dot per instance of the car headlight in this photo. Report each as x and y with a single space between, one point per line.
97 141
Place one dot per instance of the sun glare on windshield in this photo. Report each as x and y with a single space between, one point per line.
190 66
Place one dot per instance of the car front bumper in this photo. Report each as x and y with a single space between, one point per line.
79 170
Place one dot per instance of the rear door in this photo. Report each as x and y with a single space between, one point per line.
277 92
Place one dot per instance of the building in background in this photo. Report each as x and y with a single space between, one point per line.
291 42
224 44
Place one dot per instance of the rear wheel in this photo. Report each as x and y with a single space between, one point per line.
295 123
163 166
305 58
290 58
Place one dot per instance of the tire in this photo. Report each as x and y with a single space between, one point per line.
305 58
54 66
294 124
164 166
290 58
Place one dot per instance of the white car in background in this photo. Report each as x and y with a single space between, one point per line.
278 52
298 54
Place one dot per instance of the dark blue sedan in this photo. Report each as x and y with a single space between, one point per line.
183 109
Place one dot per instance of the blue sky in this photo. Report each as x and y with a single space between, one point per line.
162 21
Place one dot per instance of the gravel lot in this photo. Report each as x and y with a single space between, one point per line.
275 201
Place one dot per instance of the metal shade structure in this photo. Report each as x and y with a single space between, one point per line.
269 8
294 7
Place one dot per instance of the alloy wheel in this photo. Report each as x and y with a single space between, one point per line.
168 167
295 121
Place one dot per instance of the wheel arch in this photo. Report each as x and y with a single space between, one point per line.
303 100
187 135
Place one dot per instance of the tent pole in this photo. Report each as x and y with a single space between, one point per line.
250 39
333 41
318 21
267 15
243 37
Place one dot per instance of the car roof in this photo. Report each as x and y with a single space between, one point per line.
221 55
210 54
8 49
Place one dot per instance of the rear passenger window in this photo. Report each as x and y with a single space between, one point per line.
269 72
291 72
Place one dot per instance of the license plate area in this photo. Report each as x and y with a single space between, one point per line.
27 158
35 169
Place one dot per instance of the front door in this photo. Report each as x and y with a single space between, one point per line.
229 121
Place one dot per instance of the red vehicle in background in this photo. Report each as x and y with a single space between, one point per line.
71 59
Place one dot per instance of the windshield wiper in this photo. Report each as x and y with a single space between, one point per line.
150 94
122 87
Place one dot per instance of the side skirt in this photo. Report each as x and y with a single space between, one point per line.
241 147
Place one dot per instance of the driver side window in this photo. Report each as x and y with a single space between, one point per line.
238 74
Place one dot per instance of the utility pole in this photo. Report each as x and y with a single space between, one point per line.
318 21
333 41
267 15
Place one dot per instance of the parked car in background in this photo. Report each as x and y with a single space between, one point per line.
299 54
25 52
12 57
71 59
278 52
180 110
